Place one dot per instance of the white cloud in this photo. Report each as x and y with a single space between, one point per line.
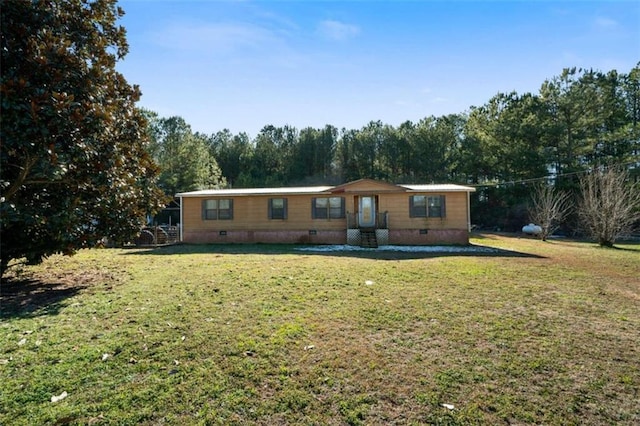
337 31
603 22
208 37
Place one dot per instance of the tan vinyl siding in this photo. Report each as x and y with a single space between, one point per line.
398 207
252 213
251 221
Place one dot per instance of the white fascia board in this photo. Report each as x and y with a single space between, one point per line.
246 192
439 188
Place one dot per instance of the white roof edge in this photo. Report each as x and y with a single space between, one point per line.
243 192
306 190
446 187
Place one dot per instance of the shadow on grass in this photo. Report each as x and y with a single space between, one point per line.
621 247
623 244
22 298
320 250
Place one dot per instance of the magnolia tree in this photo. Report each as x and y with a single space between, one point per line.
73 159
610 205
548 209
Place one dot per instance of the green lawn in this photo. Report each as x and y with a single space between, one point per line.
537 333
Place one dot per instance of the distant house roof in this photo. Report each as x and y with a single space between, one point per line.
307 190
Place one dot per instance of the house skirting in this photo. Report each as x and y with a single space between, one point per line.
424 237
395 237
268 237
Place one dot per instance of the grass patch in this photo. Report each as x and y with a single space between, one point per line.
266 335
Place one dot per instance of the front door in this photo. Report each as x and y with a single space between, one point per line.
367 212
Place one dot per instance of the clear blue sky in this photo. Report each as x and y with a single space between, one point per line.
242 65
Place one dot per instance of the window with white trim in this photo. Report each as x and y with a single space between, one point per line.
277 208
427 206
218 209
328 208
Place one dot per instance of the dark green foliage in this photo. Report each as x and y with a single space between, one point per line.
577 121
313 155
185 158
233 154
74 163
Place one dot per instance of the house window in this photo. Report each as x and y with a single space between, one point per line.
435 206
418 206
217 209
427 206
328 208
277 208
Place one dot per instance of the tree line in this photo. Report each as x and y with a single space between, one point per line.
578 121
80 161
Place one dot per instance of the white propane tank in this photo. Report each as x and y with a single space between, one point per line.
532 229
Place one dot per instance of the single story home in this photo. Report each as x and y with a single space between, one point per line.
364 212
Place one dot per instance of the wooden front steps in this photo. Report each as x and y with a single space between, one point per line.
368 238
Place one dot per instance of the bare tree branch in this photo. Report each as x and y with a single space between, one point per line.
548 209
610 205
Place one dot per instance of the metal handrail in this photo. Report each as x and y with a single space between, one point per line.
382 220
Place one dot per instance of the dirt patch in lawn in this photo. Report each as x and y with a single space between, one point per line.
28 294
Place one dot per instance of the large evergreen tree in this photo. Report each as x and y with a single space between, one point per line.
73 159
185 159
233 154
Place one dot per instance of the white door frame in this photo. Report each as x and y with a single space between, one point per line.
367 211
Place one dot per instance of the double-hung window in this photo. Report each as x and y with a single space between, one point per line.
427 206
418 206
219 209
277 208
435 206
328 208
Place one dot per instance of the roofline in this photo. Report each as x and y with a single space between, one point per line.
319 190
447 187
247 192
